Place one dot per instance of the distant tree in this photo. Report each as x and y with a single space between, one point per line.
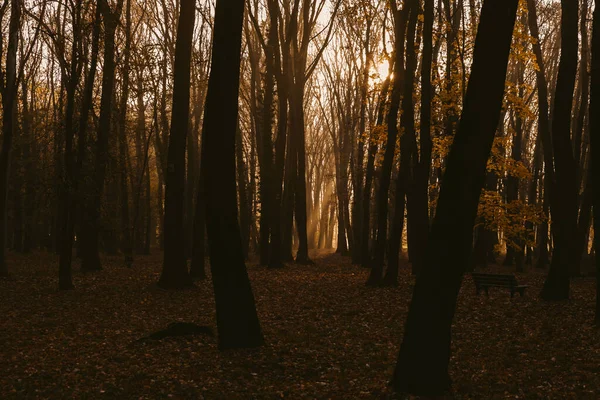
237 320
400 18
175 273
422 367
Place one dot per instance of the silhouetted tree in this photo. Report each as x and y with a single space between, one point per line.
237 320
422 367
400 17
175 273
564 191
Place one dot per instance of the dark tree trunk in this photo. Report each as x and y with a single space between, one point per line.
126 244
375 277
175 272
91 219
237 320
65 281
408 148
563 197
9 96
275 256
422 367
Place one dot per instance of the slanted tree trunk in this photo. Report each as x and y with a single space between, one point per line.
175 272
369 175
65 281
197 266
126 242
237 320
422 367
543 131
564 193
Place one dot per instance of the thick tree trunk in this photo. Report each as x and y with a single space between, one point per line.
175 272
237 320
543 131
91 219
422 367
65 281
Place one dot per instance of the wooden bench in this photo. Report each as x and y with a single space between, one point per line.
485 281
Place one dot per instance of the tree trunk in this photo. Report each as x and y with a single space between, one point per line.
422 367
564 193
375 276
91 219
9 96
175 272
237 320
408 149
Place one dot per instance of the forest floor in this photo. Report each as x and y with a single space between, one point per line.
327 336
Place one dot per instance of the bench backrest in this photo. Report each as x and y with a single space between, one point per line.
494 279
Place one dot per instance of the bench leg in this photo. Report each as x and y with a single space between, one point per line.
487 291
522 292
512 293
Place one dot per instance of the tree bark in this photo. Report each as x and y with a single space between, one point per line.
175 272
237 320
9 96
422 367
91 219
564 194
